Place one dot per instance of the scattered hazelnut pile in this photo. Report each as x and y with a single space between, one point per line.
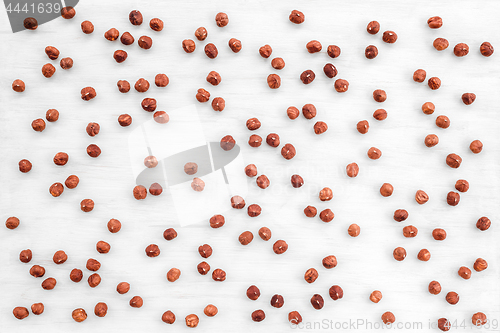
227 143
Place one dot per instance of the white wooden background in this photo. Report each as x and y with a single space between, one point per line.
365 263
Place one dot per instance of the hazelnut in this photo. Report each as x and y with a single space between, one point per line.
211 51
202 95
12 223
294 318
476 146
374 153
191 168
245 238
341 85
205 250
386 190
274 81
273 140
161 80
296 17
93 150
93 129
140 192
114 226
376 296
219 275
168 317
102 247
30 23
112 34
352 169
419 75
390 37
26 255
280 247
373 27
258 316
468 98
49 284
123 288
329 262
52 52
217 221
56 189
253 293
326 215
76 275
439 234
48 70
37 271
453 160
486 49
152 250
421 197
440 44
483 223
311 275
434 83
399 254
278 63
253 123
18 86
410 231
254 210
127 38
155 189
313 46
100 309
320 127
326 194
201 33
317 301
479 265
424 255
333 51
363 126
120 56
38 125
330 70
452 298
123 86
188 45
66 63
173 274
453 198
388 318
479 319
235 45
371 52
265 51
221 20
431 140
61 158
336 292
93 265
218 104
434 287
25 166
251 170
380 114
156 24
88 93
145 42
297 181
379 95
464 272
309 111
136 302
161 117
288 151
307 76
142 85
68 12
150 162
442 122
37 308
87 27
214 78
265 234
227 143
461 50
135 17
354 230
462 185
60 257
203 268
52 115
277 301
170 234
428 108
79 315
435 22
210 310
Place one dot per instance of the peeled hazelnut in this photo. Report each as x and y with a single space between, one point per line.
317 301
60 257
388 318
221 20
93 150
434 83
135 17
380 114
265 234
468 98
52 52
326 215
102 247
120 56
428 108
313 46
123 86
93 129
421 197
379 95
136 302
253 293
336 292
431 140
214 78
363 126
25 166
341 85
277 301
88 93
101 309
155 189
462 185
479 319
168 317
352 170
294 318
68 12
251 170
211 51
371 52
258 316
329 262
210 310
483 223
161 80
152 250
480 265
333 51
56 189
307 76
38 125
273 140
390 37
79 315
227 143
218 104
326 194
297 181
66 63
156 24
201 33
311 275
127 38
205 250
114 226
235 45
252 123
26 255
386 190
76 275
112 34
435 22
30 23
354 230
320 127
188 45
373 27
434 287
145 42
410 231
461 50
219 275
123 288
278 63
93 265
376 296
439 234
170 234
87 27
486 49
280 247
453 161
464 272
476 146
37 271
274 81
49 283
37 308
12 223
453 198
217 221
309 111
297 17
419 75
245 238
440 44
330 70
202 95
140 192
442 122
142 85
18 86
288 151
173 274
203 268
52 115
374 153
452 298
399 254
254 210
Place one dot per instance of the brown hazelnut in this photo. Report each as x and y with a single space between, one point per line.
217 221
79 315
112 34
142 85
66 63
93 129
188 45
93 150
123 86
453 198
421 197
296 17
135 17
210 310
371 52
428 108
56 189
462 185
205 250
136 302
419 75
202 95
390 37
253 123
18 85
219 275
479 319
211 51
37 308
388 318
320 127
443 122
102 247
173 274
227 143
145 42
294 318
435 22
452 298
352 170
245 238
439 234
453 160
221 20
26 255
333 51
120 56
309 111
192 320
152 250
376 296
440 44
218 104
265 51
354 230
464 272
317 301
48 70
93 265
380 114
386 190
311 275
61 158
486 49
468 98
424 255
280 247
326 215
479 265
201 33
253 293
307 76
49 283
251 170
461 50
155 189
60 257
12 223
341 85
476 146
273 140
434 83
140 192
150 162
161 117
161 80
38 125
101 309
214 79
374 153
278 63
330 70
123 288
127 38
30 23
297 181
254 210
76 275
329 262
483 223
25 166
258 316
431 140
87 27
114 226
88 93
274 81
288 151
313 46
336 292
170 234
379 95
168 317
52 52
410 231
277 301
68 12
37 271
363 126
156 24
373 27
310 211
399 254
326 194
265 233
235 45
52 115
